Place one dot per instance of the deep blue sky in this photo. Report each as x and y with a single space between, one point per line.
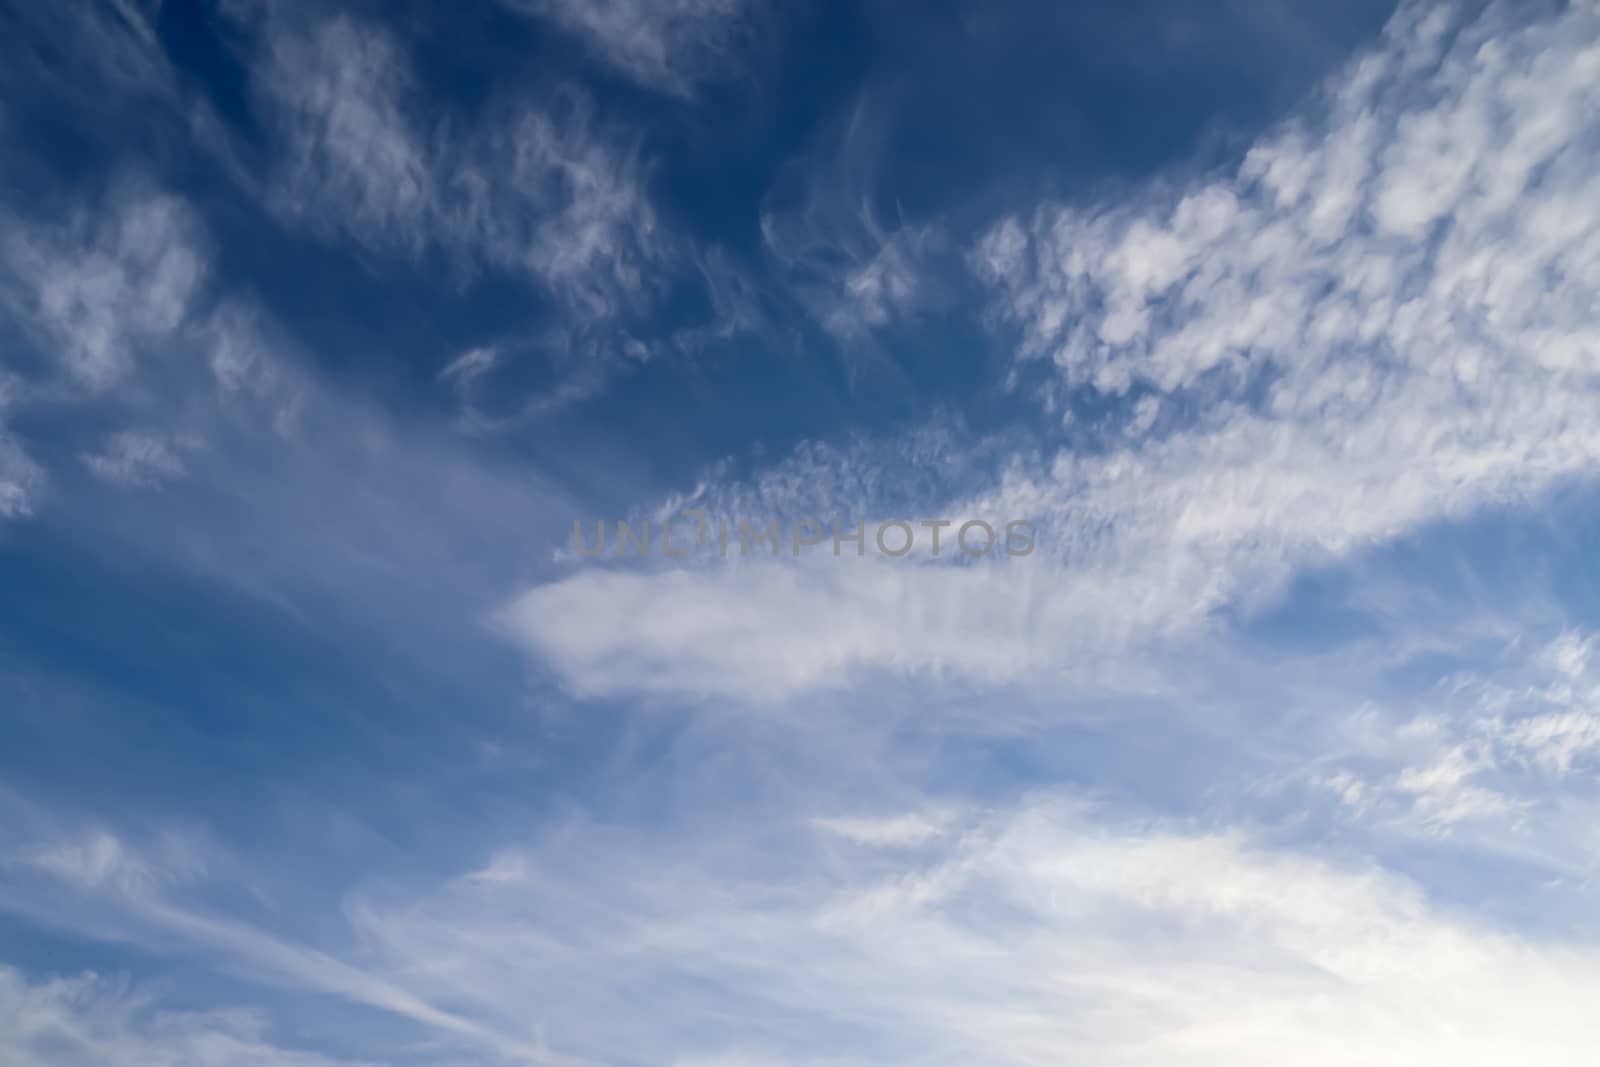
321 324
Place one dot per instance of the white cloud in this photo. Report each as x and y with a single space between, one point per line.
768 631
1027 936
1492 755
19 478
1351 381
121 894
246 353
668 45
1030 932
924 931
137 459
88 1020
469 366
895 831
355 162
114 308
554 194
100 290
887 287
537 188
90 862
854 271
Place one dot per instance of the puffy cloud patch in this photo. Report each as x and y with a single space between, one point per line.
103 287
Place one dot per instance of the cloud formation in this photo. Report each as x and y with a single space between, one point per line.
1014 936
105 284
1405 269
87 1020
539 188
827 810
823 228
135 459
671 45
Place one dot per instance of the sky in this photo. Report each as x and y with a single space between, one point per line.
333 333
